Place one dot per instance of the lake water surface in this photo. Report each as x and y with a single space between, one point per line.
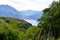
33 22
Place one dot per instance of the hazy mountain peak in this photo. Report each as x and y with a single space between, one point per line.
6 10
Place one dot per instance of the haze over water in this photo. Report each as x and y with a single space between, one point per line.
33 22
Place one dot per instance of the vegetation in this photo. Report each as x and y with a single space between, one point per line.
15 22
50 21
47 29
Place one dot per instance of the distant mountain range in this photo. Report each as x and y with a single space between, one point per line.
6 10
30 14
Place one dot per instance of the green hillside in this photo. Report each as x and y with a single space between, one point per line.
16 29
15 22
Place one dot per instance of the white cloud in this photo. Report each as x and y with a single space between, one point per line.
27 4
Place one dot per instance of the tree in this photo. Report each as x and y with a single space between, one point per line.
7 32
51 19
31 33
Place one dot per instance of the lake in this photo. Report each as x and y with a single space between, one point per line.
33 22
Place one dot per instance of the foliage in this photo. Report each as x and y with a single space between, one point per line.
51 19
31 32
16 22
8 32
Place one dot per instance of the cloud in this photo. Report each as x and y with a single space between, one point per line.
21 5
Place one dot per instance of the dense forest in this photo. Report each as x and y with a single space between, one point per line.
48 26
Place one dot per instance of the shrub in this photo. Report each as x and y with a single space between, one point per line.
8 33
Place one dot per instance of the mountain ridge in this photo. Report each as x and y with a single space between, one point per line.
6 10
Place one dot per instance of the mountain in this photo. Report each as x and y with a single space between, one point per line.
35 17
6 10
30 14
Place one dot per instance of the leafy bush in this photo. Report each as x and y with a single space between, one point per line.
31 32
8 33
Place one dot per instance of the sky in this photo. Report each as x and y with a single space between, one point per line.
22 5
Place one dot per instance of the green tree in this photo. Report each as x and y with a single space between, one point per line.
31 33
51 19
7 32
